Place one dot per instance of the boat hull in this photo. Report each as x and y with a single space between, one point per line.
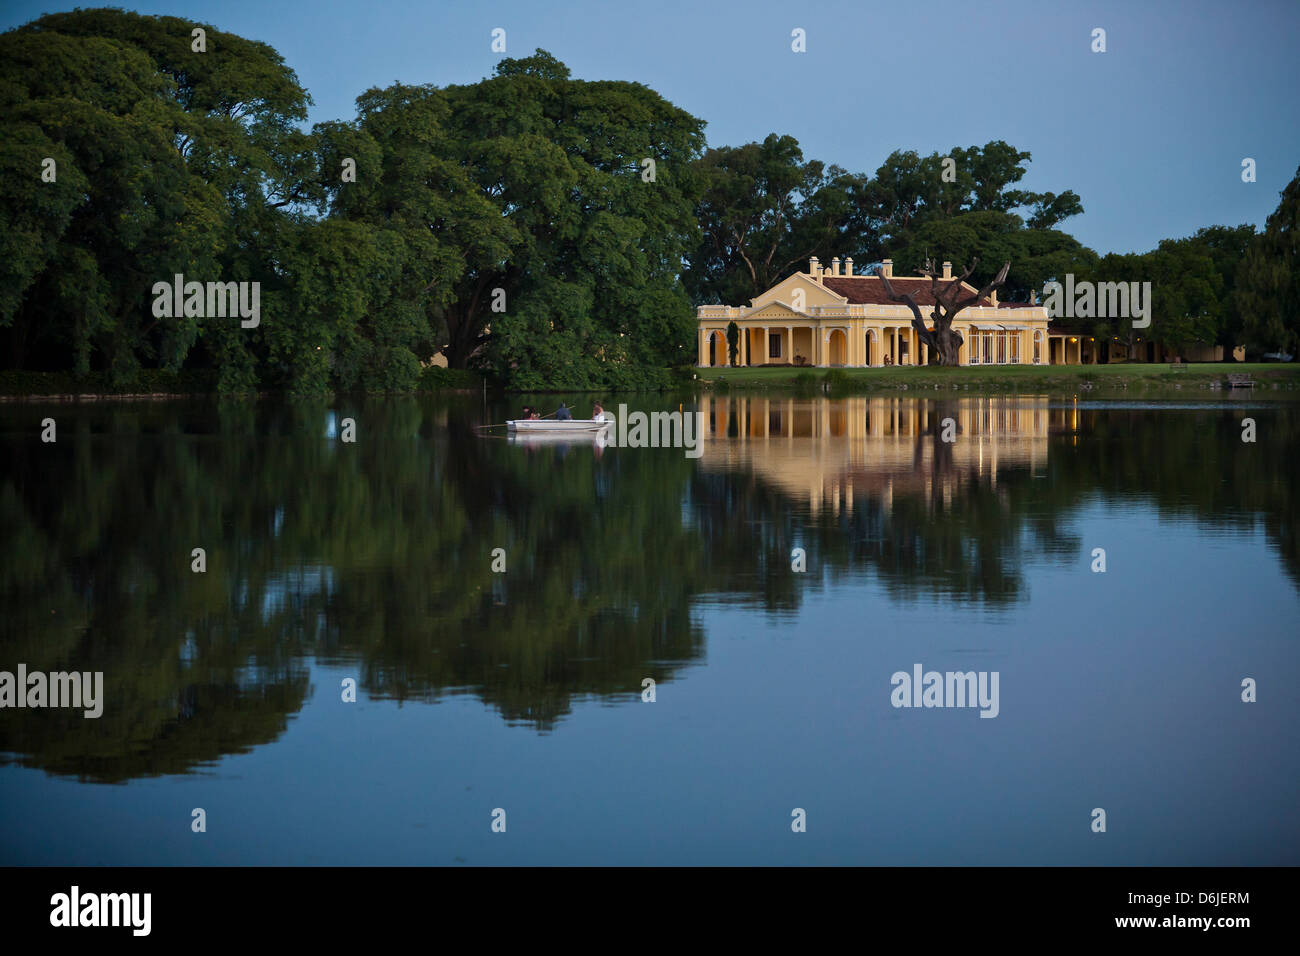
552 428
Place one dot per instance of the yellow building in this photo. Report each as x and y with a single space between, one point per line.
1066 337
829 317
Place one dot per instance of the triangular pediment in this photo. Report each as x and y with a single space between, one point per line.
776 309
795 287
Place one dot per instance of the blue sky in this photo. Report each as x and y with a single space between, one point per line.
1151 133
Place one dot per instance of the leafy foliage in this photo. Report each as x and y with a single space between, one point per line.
522 192
546 231
1269 278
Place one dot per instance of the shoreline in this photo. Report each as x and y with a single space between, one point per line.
205 396
1002 379
1208 376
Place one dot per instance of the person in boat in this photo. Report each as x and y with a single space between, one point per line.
528 411
533 414
597 413
562 414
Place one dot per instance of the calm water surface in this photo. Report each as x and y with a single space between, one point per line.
523 690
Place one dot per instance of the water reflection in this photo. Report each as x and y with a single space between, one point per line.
377 554
933 495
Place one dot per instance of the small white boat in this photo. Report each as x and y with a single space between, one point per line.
553 427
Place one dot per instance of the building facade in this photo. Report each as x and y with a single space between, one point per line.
828 317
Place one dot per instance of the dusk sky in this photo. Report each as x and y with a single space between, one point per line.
1151 134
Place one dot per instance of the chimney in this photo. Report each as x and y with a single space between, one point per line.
814 267
835 266
947 270
993 297
887 267
848 267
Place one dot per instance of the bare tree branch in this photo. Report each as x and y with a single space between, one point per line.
944 342
983 293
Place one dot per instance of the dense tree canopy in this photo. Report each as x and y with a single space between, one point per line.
1192 289
1268 278
909 190
766 210
995 237
166 160
594 181
550 231
529 223
535 244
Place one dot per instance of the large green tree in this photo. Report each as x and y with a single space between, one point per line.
545 219
909 191
764 211
1268 280
169 159
597 179
1036 255
1193 295
428 219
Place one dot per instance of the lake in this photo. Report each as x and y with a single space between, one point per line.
783 591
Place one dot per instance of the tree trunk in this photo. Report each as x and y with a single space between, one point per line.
945 347
462 337
944 342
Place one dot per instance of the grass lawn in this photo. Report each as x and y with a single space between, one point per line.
1007 377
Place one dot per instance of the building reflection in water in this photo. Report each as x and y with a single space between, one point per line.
824 451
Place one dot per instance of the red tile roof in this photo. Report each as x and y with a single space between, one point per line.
869 290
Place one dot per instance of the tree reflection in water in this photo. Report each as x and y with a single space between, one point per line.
377 555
